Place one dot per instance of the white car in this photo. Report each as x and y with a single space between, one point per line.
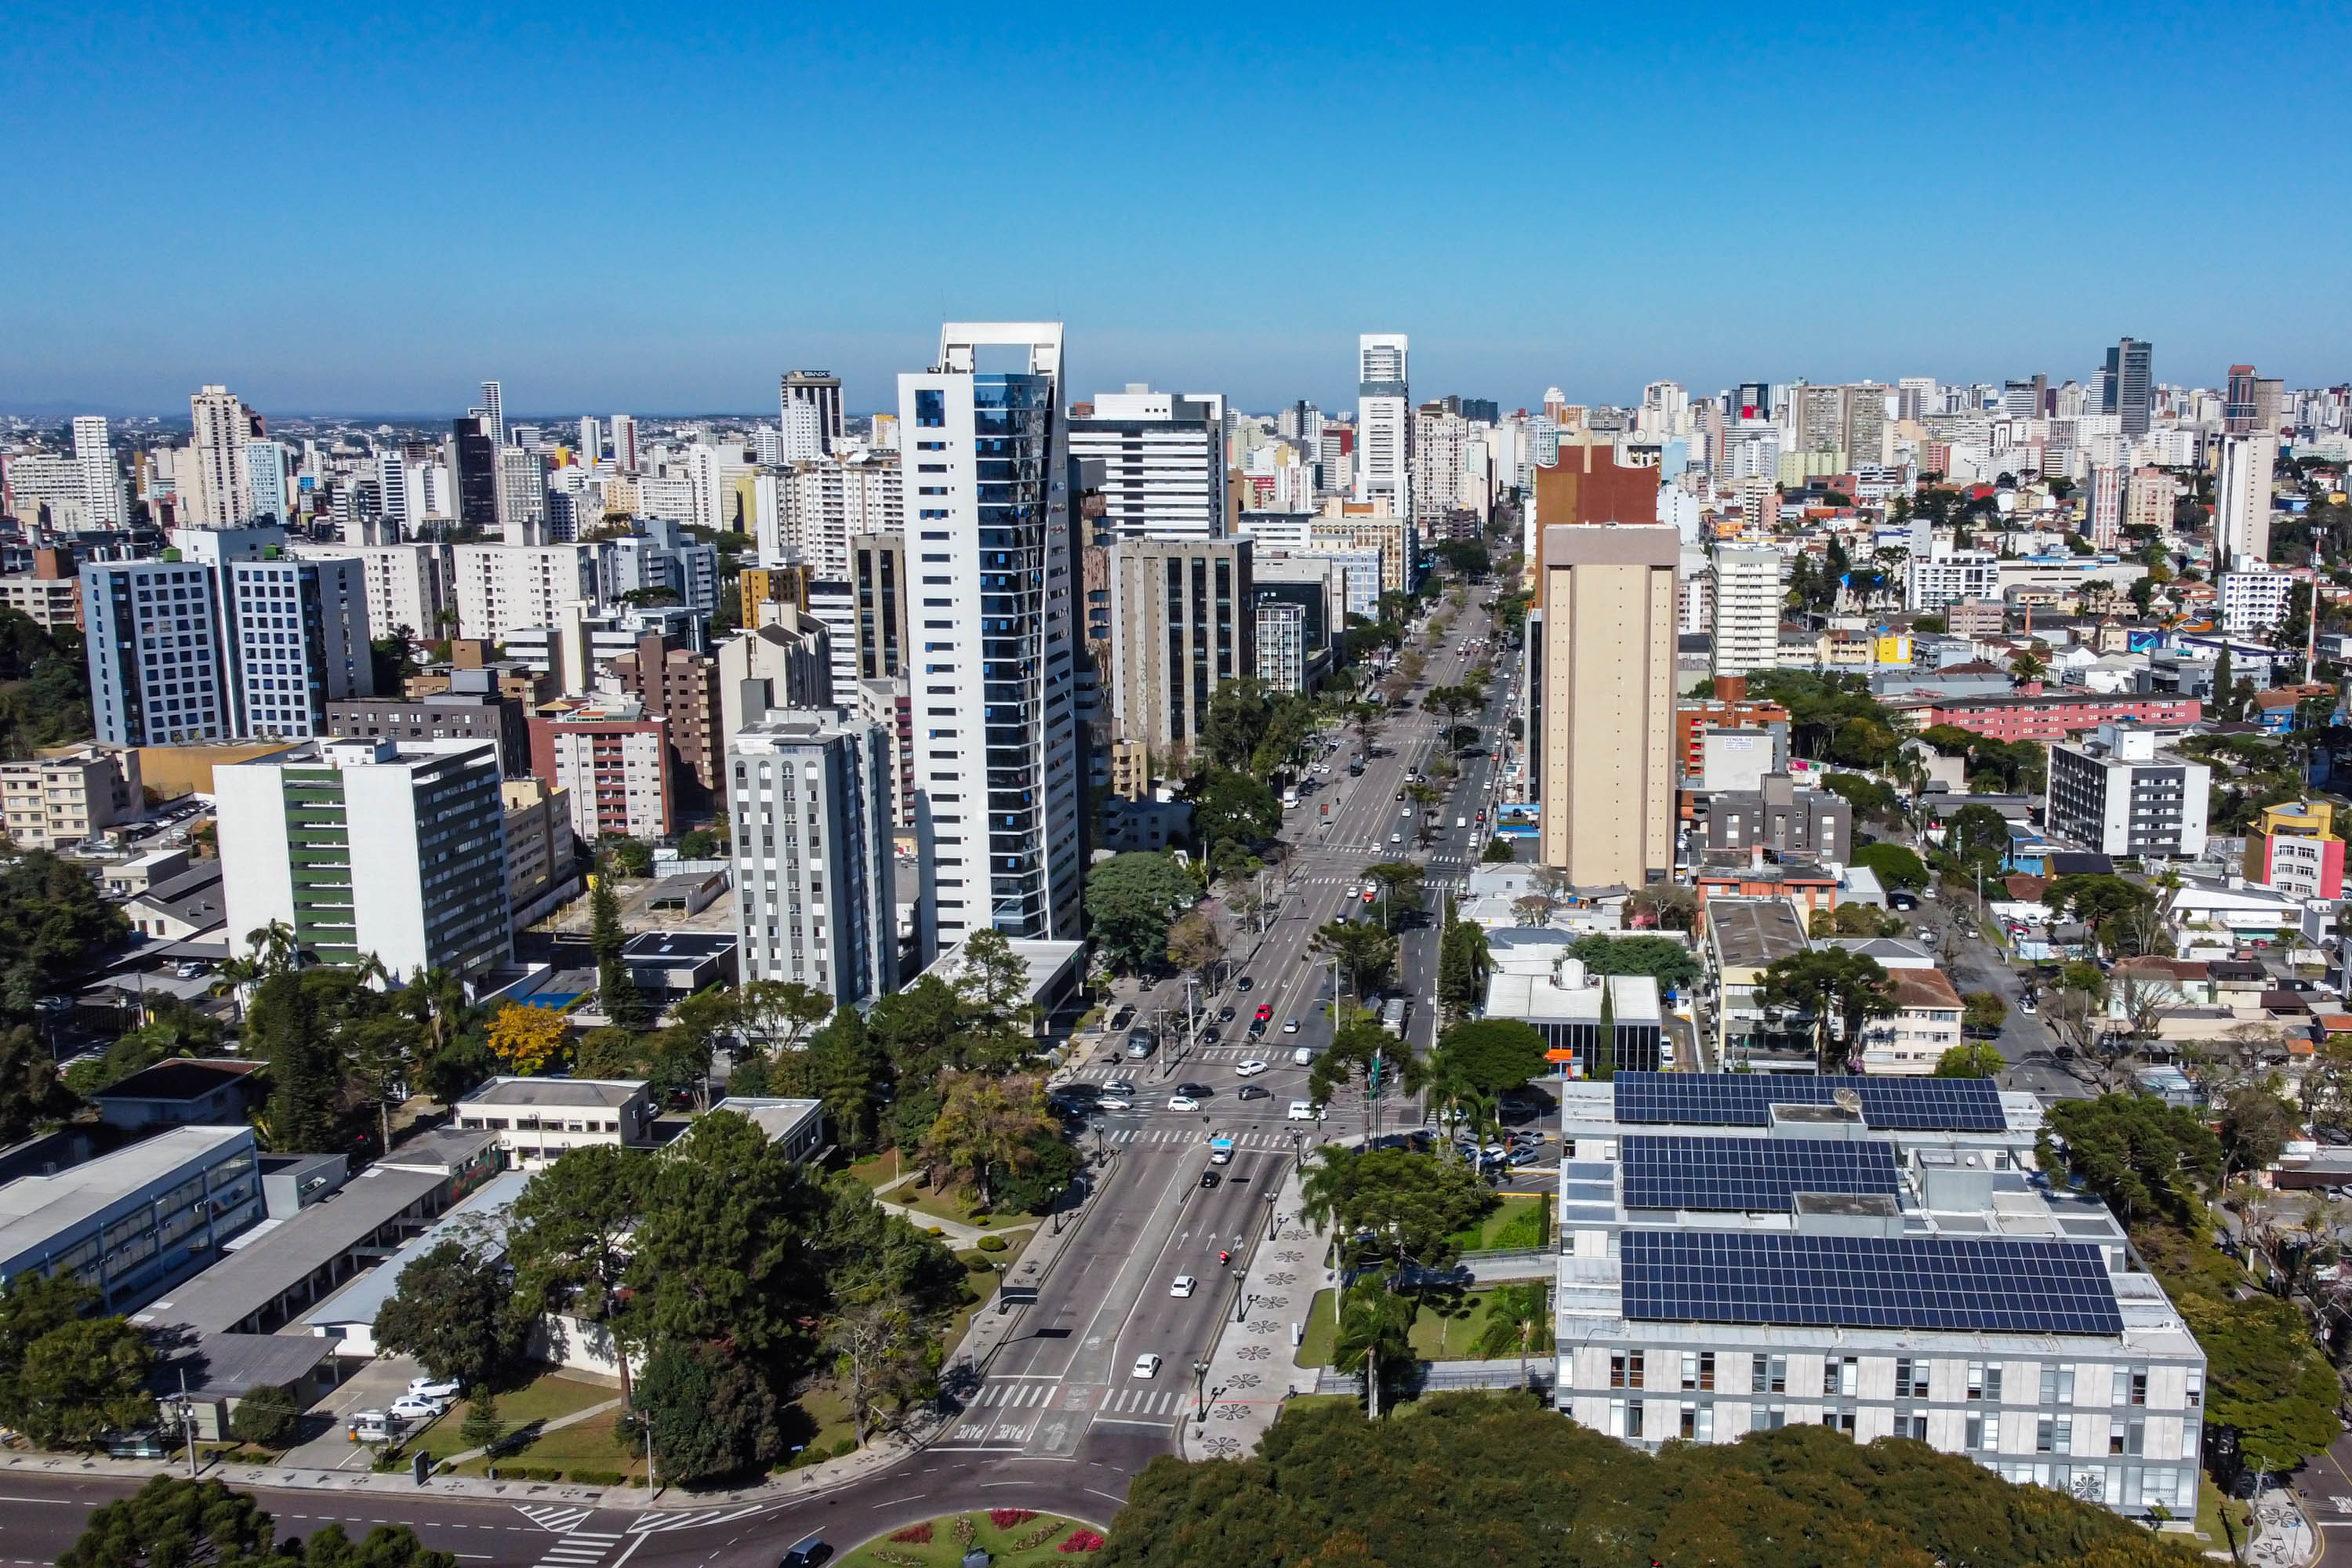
415 1407
1182 1102
434 1387
1182 1285
1145 1365
1304 1057
1290 1025
1114 1103
1396 838
1249 1068
1302 1111
1352 893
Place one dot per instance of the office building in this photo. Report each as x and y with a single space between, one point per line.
540 853
2241 499
477 463
1747 603
2295 848
134 1223
298 640
682 686
65 794
1184 622
104 496
996 749
213 485
879 571
814 899
1281 643
2113 791
1747 1251
522 496
1600 678
494 414
1383 469
473 708
539 1120
624 442
811 400
1163 458
157 658
2238 402
371 848
2127 387
613 759
502 588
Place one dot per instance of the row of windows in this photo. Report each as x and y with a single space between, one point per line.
1697 1370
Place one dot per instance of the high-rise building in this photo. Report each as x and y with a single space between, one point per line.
1384 422
101 481
2127 386
878 569
2241 499
814 902
1184 622
503 588
265 470
2238 401
592 441
1281 644
817 392
996 749
157 673
523 495
624 442
223 490
2150 498
1747 602
494 414
387 849
297 639
477 459
2106 522
1601 680
1163 458
613 758
683 686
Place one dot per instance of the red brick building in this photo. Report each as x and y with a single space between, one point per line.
2049 716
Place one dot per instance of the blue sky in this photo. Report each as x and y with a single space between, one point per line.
656 208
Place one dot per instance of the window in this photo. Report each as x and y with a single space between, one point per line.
1626 1370
2195 1390
1698 1371
1910 1379
1698 1423
1771 1376
1767 1417
1626 1418
1838 1375
2054 1435
932 408
1984 1432
1984 1382
1911 1424
1839 1419
2057 1386
2126 1436
2139 1385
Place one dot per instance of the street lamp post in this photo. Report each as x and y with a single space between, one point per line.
1199 1391
185 1409
1240 1276
1273 1219
1058 1207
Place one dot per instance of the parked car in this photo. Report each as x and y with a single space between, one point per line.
417 1408
434 1387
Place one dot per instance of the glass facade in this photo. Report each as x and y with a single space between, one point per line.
1012 429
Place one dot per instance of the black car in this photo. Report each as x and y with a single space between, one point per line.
1210 1178
1400 794
1211 1035
1258 1029
1355 770
1253 1092
1196 1091
1243 984
1224 1014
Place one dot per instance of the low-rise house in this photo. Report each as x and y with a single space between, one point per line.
536 1119
793 1124
1924 1025
1568 1008
1744 937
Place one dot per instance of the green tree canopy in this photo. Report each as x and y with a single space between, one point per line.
1896 865
55 931
2144 1158
172 1522
1235 807
1970 1058
1833 984
711 1414
1492 1055
450 1311
1394 1204
1131 900
1668 961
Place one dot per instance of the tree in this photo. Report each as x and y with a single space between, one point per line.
1233 807
1400 885
55 930
2142 1158
1394 1203
1363 949
1664 960
1360 1048
483 1426
1463 963
172 1522
2255 1128
986 1124
34 1305
528 1040
881 1343
1239 713
569 1241
1982 1012
1492 1055
617 991
710 1414
268 1416
80 1380
1373 1330
1971 1058
1519 1316
777 1013
1131 900
31 1093
449 1310
1894 864
290 1026
1193 944
1839 988
1977 835
1498 851
846 1067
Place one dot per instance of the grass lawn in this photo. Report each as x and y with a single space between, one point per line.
544 1398
880 1170
591 1444
2209 1506
1436 1335
944 1550
1521 1222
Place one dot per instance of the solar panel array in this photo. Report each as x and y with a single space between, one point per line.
1666 1171
1870 1282
1745 1099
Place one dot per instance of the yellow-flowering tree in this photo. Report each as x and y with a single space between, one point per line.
527 1040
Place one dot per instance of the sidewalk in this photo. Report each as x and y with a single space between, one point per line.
1250 1371
2283 1537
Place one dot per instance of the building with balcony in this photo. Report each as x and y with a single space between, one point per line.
612 757
2295 848
68 794
2114 792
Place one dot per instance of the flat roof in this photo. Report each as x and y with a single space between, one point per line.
779 1116
607 1091
679 943
481 1219
34 1209
1746 1100
277 1259
183 1078
1749 933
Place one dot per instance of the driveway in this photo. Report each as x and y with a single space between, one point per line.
374 1387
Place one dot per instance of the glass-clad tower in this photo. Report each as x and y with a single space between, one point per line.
991 563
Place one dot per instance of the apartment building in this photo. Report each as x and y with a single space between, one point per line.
814 899
66 793
473 708
1163 458
502 588
384 848
2114 792
1184 613
1748 603
49 595
541 856
1925 1022
682 686
2050 717
612 759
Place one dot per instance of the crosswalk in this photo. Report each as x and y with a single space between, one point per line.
550 1516
1193 1137
1008 1413
579 1549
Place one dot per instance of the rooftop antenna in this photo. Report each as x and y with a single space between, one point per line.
1848 1099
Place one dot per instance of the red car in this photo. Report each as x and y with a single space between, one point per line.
1265 1011
1368 895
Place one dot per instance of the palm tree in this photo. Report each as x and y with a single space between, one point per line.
1375 1325
1518 1315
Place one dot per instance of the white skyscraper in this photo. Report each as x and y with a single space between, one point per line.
494 412
810 401
1163 456
624 442
810 790
592 440
101 482
391 484
2241 499
989 542
1748 598
1384 422
222 495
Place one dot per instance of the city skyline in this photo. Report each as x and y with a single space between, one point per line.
660 212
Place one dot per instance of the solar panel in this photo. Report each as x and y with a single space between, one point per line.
1871 1283
1756 1173
1745 1099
